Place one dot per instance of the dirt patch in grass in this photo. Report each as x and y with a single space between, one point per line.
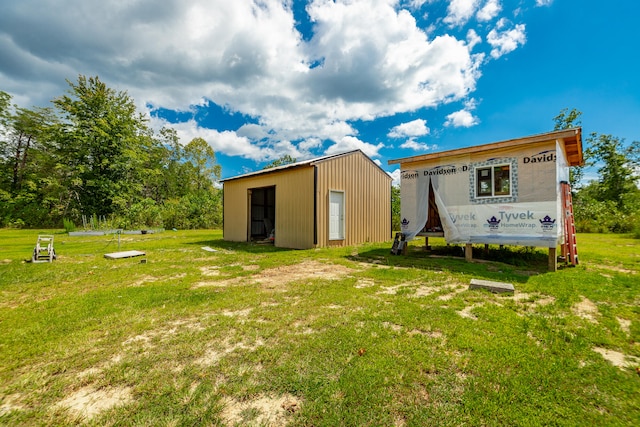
616 358
11 403
467 311
393 290
536 299
88 401
394 327
237 313
275 278
144 279
364 283
586 309
210 271
172 328
213 355
430 334
260 411
454 289
616 269
529 302
424 291
625 325
217 284
306 270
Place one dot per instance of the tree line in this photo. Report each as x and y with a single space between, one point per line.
93 155
611 201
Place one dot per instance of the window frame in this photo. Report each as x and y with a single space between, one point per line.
492 180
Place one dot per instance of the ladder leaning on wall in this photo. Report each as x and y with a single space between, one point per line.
570 246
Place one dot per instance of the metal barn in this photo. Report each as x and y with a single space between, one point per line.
336 200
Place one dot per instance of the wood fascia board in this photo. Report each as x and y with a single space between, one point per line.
572 136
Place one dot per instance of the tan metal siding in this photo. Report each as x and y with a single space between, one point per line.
294 206
367 199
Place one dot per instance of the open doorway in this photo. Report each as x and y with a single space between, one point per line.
433 225
262 213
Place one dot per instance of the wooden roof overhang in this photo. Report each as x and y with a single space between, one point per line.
571 138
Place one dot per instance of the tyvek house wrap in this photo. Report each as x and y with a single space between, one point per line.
529 215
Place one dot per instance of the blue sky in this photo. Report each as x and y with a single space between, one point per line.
259 79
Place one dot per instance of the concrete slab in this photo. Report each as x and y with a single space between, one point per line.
494 287
125 254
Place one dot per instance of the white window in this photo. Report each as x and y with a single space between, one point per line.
493 181
336 215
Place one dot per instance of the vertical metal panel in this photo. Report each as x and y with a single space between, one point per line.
367 199
294 206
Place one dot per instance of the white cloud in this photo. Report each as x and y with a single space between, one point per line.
349 143
462 118
459 11
473 39
417 146
490 10
223 142
416 127
310 143
364 60
543 2
506 41
395 177
252 131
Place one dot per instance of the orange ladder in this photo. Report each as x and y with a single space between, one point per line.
570 247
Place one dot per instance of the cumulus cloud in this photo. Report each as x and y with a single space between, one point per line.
416 127
505 41
303 91
473 38
490 10
459 11
417 146
349 143
543 2
462 118
395 177
227 142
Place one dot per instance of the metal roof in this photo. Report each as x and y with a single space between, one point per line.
304 163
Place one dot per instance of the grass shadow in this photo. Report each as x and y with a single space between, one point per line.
247 247
512 263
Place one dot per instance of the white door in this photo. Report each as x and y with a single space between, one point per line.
336 215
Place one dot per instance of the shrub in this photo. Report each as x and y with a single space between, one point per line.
68 225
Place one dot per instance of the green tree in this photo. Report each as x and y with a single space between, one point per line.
5 104
197 201
395 208
27 173
172 181
568 119
100 143
200 159
617 165
283 160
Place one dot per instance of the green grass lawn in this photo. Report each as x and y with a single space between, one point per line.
255 335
